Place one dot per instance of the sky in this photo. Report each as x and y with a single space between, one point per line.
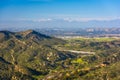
53 9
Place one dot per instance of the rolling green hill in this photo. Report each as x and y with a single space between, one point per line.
30 52
29 55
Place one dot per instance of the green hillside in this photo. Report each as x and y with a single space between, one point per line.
29 55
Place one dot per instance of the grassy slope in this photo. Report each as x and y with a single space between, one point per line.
91 67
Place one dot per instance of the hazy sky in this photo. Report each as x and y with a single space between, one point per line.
36 9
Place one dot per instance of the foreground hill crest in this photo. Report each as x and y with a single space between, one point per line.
28 34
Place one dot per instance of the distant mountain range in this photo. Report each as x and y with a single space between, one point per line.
58 23
88 32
